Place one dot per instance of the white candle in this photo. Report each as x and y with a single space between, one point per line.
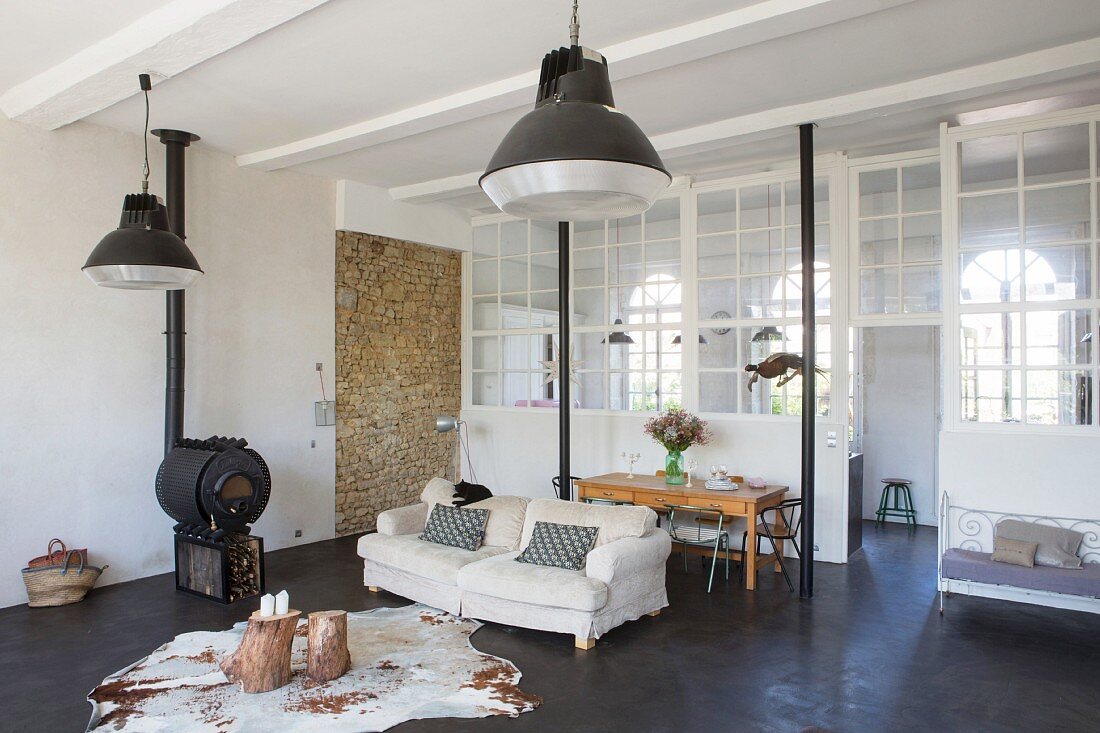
267 605
282 602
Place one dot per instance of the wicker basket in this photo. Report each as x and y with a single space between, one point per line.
58 585
55 557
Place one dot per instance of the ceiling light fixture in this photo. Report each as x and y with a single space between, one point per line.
768 333
574 157
143 253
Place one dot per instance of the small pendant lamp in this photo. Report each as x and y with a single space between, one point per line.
574 157
142 254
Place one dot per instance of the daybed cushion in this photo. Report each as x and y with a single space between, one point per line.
980 568
408 553
1057 546
615 522
503 577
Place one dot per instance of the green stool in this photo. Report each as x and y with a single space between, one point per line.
903 502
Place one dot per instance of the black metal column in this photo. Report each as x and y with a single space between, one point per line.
809 359
175 142
565 487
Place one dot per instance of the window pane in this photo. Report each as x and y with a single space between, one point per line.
920 188
991 395
760 206
1057 214
485 277
992 276
878 291
513 311
662 221
878 192
522 352
1056 154
513 238
878 242
717 297
792 283
1059 397
762 251
989 221
625 231
662 260
544 272
589 393
544 309
544 236
1059 337
990 339
486 313
717 212
486 352
1058 273
720 351
920 288
757 344
588 234
922 238
761 297
513 275
672 391
517 389
591 349
792 246
792 209
485 241
588 307
624 264
588 267
988 163
717 255
486 388
718 391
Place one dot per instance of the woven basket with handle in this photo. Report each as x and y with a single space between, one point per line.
55 557
58 585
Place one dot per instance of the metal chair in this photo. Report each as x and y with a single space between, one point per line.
556 481
788 530
703 529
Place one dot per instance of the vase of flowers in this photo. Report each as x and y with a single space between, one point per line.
677 430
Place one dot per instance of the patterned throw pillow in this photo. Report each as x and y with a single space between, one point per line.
559 545
457 527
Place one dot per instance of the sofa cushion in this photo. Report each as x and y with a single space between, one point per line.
1057 546
980 568
559 545
1014 552
456 527
406 552
438 491
615 522
505 525
501 577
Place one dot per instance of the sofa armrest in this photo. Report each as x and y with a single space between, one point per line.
628 556
403 520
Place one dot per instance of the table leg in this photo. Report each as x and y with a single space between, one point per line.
749 560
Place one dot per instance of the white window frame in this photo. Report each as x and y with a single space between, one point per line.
950 137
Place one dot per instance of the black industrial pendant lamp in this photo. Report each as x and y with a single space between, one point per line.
767 333
574 157
678 340
143 253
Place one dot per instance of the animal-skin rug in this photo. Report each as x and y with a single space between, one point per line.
406 663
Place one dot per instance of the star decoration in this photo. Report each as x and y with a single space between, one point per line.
554 367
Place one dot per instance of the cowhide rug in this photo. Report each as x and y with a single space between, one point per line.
406 663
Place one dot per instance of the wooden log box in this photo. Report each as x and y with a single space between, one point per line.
329 657
262 661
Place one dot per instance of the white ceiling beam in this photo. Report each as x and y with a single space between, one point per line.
763 21
1048 65
163 43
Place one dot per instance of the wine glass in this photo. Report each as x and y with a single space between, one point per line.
690 465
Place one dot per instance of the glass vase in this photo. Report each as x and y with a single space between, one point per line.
674 468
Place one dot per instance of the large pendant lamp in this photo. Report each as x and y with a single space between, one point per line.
143 253
574 157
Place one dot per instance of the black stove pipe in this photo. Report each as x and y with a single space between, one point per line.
175 142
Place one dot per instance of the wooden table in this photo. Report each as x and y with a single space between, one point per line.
652 491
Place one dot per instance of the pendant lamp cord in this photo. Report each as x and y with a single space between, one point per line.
574 27
143 80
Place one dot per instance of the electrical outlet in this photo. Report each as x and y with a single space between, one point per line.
298 533
320 367
816 548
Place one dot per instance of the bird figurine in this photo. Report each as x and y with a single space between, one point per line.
782 364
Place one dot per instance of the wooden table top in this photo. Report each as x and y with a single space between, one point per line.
654 484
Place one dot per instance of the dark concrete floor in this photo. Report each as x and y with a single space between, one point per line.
868 653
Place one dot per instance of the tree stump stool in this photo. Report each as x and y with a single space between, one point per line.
262 661
328 656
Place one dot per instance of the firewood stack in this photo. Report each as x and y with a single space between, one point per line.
244 581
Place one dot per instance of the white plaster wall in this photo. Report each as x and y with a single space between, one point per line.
900 414
516 452
369 209
82 368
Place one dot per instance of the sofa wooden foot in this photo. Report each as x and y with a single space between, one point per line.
654 613
373 588
585 644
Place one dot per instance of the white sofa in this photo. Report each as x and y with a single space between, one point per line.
623 578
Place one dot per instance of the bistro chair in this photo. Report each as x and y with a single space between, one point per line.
556 481
785 511
698 527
